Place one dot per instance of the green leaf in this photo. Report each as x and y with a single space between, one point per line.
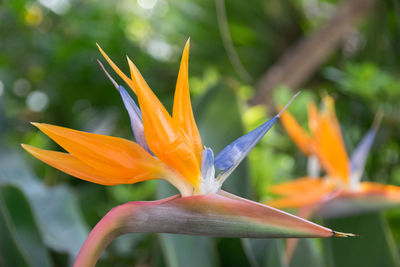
264 252
307 254
231 252
181 250
21 243
56 209
373 247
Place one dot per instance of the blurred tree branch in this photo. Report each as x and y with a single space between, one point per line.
299 63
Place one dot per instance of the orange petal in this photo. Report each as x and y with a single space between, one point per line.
73 166
390 191
305 197
297 186
329 105
102 152
165 139
330 147
182 111
117 70
298 135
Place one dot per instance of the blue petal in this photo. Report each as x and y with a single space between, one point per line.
133 111
136 118
230 157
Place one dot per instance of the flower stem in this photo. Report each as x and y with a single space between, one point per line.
106 230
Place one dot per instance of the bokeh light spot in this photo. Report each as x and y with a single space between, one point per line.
37 101
33 15
147 4
159 49
57 6
21 87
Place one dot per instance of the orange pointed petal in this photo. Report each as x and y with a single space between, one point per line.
329 105
330 147
71 165
313 117
117 70
305 197
106 153
298 135
182 111
165 139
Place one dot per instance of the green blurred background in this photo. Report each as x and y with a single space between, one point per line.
246 57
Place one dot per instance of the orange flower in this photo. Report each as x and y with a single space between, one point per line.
167 147
342 181
175 141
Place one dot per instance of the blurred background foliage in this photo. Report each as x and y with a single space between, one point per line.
49 73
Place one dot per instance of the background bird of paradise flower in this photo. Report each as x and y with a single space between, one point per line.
48 72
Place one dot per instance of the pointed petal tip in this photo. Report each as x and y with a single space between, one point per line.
99 47
288 104
36 124
30 149
132 66
340 234
25 146
41 125
117 70
130 63
187 45
377 119
108 75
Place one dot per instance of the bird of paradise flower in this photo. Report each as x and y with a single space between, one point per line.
341 192
167 147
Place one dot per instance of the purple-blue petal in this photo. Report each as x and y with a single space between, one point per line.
133 110
230 157
136 118
360 154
